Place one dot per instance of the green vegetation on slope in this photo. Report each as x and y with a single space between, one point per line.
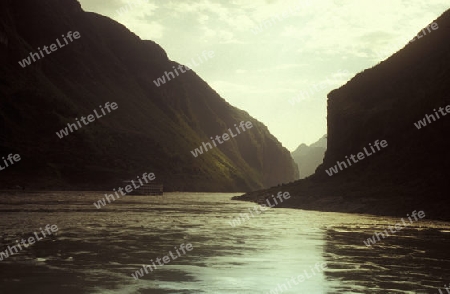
153 130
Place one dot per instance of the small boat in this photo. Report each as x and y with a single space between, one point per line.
150 189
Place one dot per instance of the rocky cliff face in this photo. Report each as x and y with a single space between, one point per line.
153 129
384 103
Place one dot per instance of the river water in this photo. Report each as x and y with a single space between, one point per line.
98 250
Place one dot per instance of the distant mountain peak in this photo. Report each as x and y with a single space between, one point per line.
308 158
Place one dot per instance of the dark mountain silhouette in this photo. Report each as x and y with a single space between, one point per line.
308 158
153 130
383 103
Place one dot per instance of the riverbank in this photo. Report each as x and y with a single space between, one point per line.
358 197
102 248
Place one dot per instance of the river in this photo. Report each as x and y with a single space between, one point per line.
98 250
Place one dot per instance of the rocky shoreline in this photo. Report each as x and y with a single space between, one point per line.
332 197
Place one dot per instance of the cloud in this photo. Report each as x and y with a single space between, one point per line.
257 71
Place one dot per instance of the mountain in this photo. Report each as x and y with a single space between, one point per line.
385 103
153 129
308 158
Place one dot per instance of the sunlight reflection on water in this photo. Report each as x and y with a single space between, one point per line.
97 250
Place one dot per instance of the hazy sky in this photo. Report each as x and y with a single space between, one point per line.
306 46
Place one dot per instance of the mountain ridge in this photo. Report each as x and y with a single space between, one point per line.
153 129
308 158
383 103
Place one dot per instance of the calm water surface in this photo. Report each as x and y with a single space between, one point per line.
97 250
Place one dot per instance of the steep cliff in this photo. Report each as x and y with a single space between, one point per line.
385 103
153 129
